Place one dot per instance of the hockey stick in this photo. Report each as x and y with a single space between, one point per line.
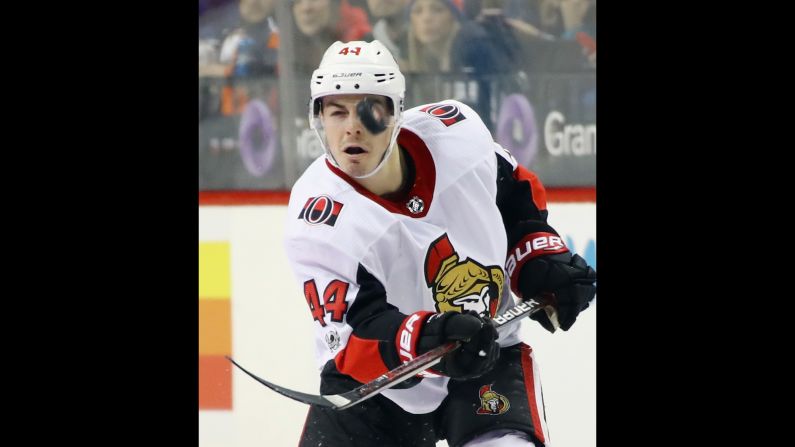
399 374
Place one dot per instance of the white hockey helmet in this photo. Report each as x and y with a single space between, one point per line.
357 67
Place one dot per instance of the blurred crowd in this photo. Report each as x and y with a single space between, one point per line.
475 51
239 39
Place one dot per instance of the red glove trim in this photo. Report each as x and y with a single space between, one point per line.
408 333
531 246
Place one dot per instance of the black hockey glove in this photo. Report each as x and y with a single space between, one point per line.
477 355
566 276
539 263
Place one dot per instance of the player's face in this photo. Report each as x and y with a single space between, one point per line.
431 21
356 150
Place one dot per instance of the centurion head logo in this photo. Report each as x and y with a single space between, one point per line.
492 402
461 285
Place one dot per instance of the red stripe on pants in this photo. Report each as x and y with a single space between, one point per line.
529 384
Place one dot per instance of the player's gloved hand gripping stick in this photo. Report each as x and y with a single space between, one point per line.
402 372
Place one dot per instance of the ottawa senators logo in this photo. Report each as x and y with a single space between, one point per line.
461 285
448 114
321 210
492 402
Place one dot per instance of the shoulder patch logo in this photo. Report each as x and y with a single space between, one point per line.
448 114
492 402
415 205
321 210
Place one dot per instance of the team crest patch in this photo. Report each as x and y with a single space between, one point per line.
415 205
321 210
459 286
448 114
492 402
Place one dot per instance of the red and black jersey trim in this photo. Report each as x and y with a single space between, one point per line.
371 349
520 194
538 193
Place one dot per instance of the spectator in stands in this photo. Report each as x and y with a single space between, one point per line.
578 16
251 49
548 13
217 18
391 27
579 23
319 23
440 43
248 54
441 40
564 18
515 16
570 23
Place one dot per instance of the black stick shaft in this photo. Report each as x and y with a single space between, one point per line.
399 374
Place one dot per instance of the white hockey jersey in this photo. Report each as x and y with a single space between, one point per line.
366 263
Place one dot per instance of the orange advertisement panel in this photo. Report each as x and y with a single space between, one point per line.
215 383
215 327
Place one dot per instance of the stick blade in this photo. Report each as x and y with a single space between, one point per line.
310 399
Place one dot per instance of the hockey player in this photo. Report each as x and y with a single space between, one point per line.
399 237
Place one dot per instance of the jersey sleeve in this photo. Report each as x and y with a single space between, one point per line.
355 326
520 194
521 199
